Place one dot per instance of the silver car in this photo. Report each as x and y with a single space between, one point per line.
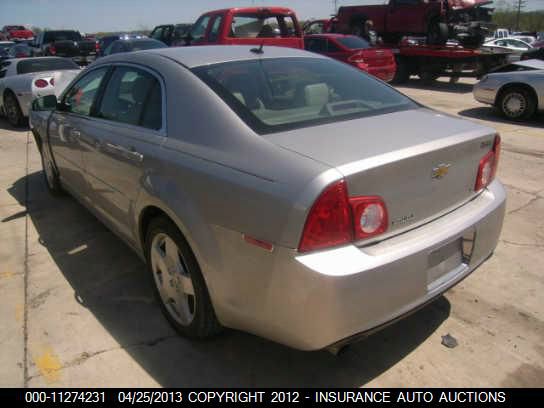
273 190
516 90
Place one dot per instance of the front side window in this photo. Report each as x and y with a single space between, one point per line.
81 96
133 96
285 93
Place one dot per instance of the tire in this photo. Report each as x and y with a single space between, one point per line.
184 297
516 103
50 174
437 33
402 75
12 110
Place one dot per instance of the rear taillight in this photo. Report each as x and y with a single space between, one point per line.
20 55
336 219
488 166
97 47
329 222
52 50
40 83
369 215
357 58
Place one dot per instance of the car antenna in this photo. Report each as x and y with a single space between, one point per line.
258 50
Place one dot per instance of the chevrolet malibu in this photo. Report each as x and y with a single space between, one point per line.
273 190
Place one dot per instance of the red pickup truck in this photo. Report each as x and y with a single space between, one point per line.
250 26
464 20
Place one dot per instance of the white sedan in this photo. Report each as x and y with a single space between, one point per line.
514 45
23 79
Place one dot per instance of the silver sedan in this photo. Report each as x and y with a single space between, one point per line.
517 90
273 190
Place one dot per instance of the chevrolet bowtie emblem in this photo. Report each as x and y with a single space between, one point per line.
440 171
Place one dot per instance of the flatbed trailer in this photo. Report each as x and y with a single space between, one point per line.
432 61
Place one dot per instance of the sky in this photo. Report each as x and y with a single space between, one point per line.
118 15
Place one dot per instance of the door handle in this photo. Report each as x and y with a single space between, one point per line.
75 133
129 153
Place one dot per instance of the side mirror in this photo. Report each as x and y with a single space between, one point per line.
45 103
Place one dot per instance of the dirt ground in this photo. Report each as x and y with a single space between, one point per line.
76 307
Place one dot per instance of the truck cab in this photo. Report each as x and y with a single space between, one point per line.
276 26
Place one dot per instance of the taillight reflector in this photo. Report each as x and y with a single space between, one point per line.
52 81
369 215
40 83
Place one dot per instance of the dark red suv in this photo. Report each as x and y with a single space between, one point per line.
356 51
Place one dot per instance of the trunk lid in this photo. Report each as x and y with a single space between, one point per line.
422 163
69 48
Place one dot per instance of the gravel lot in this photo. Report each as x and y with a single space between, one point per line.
76 306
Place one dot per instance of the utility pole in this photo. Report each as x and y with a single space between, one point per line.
521 4
335 2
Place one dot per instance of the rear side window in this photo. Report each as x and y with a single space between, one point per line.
81 96
198 31
353 43
286 93
262 26
133 96
214 31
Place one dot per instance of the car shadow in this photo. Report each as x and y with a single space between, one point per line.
111 282
438 85
5 125
491 114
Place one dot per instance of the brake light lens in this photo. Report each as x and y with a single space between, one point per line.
329 222
97 47
369 215
52 50
40 83
336 219
488 166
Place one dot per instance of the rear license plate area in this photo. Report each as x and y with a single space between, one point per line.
444 263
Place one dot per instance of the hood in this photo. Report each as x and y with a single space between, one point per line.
466 4
339 143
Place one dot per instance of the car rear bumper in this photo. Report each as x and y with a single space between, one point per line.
384 72
313 301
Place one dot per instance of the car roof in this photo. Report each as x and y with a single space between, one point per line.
195 56
252 10
532 63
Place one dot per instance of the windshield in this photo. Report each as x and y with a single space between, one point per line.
45 64
353 43
286 93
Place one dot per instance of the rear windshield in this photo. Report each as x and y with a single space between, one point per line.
354 43
16 28
45 64
62 36
279 94
247 25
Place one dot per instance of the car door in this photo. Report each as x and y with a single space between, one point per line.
334 51
129 126
70 124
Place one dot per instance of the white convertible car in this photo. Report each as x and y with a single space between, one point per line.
23 79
